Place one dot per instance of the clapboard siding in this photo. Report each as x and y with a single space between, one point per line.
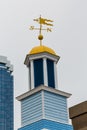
45 105
31 109
55 107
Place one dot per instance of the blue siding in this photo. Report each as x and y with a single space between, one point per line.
31 109
47 124
50 71
55 107
38 72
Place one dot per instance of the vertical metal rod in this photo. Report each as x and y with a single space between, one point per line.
40 31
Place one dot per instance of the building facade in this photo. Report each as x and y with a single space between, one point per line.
6 95
44 106
78 115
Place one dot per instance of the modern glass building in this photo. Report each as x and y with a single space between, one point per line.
6 94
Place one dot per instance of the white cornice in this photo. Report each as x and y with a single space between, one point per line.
45 88
41 55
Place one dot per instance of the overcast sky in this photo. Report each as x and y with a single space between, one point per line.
68 39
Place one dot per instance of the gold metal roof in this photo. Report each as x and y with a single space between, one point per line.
40 49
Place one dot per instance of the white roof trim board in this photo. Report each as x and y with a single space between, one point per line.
45 88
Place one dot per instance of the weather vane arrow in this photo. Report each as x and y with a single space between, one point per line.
42 21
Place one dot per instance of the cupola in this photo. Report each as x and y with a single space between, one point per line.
43 106
41 62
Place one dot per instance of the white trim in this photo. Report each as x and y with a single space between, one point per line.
45 88
32 74
43 112
41 55
55 75
29 78
67 111
45 72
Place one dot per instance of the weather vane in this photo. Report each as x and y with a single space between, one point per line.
42 21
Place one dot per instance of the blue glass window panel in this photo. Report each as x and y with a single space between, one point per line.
38 72
50 71
6 99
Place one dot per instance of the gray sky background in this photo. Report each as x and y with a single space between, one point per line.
68 39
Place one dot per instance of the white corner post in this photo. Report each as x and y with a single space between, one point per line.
43 111
32 74
55 75
45 72
29 78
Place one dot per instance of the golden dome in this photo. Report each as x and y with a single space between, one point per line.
40 49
